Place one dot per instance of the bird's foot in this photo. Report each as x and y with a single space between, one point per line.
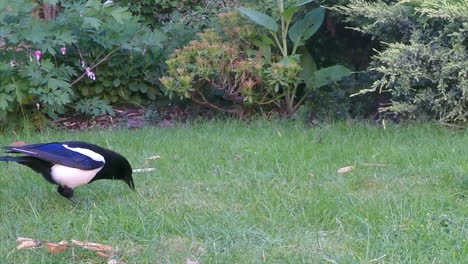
68 193
75 200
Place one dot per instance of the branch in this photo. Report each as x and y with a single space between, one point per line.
108 56
206 103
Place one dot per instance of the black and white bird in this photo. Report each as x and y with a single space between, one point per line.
72 164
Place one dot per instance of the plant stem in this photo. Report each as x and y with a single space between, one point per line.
279 44
284 29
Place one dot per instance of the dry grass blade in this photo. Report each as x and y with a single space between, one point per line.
156 157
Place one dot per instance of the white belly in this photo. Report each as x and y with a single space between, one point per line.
72 177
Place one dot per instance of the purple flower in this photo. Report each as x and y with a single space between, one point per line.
90 74
63 50
38 55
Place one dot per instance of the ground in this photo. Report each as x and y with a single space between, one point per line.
263 192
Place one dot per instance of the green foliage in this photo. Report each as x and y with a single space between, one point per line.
260 18
424 69
329 75
94 107
216 71
231 68
294 68
86 39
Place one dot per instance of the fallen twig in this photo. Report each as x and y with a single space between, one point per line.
144 170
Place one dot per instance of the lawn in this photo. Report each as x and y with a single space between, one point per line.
228 192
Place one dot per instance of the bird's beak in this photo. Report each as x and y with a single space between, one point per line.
129 181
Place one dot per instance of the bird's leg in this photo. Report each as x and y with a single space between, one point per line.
67 193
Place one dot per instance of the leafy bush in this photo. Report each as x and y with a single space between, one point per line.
287 34
49 64
242 65
216 71
424 66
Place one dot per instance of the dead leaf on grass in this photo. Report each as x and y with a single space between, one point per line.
102 250
27 243
102 254
93 246
345 169
18 143
189 261
57 247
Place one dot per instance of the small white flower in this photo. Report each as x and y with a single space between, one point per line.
90 74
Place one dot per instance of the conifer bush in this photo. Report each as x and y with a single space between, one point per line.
424 64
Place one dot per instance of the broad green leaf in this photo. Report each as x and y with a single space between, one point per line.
330 74
260 18
289 13
308 68
303 2
317 15
303 29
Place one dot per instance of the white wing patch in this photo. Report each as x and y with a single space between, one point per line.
24 151
72 177
87 152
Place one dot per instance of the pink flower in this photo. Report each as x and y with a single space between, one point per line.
63 50
90 74
38 55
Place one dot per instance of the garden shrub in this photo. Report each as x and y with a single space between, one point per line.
252 66
216 71
88 51
424 64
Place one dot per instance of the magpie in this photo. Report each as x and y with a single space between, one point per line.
72 164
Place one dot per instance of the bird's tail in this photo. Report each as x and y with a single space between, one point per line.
11 159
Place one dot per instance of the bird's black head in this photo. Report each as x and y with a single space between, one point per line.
120 169
116 166
126 173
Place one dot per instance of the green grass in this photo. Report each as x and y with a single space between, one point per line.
255 193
